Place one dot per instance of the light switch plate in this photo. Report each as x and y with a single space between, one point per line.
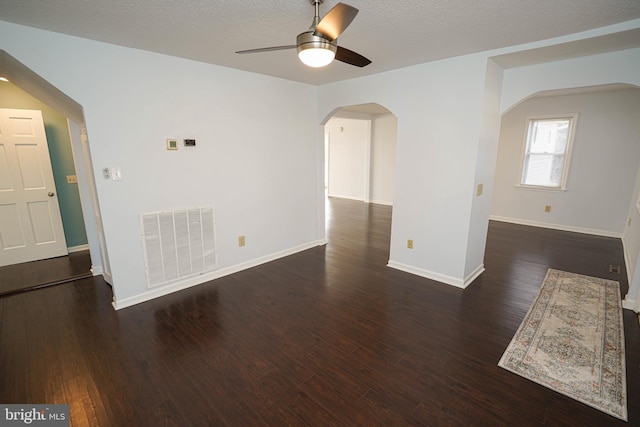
116 174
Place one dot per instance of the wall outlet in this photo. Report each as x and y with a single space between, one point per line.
629 222
480 189
547 208
241 241
72 179
410 244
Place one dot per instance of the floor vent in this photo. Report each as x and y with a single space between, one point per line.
614 269
178 244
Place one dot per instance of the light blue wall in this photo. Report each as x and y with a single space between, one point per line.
61 159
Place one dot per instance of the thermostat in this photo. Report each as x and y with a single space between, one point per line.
172 144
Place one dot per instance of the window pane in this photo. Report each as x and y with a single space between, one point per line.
548 136
547 143
544 169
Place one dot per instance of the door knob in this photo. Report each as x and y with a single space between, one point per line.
51 194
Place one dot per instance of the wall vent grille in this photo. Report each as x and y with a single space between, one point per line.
178 244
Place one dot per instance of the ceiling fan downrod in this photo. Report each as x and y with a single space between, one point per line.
316 19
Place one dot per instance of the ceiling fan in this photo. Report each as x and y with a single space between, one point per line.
318 46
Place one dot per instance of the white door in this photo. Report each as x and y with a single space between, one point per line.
30 221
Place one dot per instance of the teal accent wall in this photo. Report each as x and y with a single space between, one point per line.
61 155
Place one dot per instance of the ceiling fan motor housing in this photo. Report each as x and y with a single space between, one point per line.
308 40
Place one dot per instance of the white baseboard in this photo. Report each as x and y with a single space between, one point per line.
108 278
78 248
631 304
96 270
374 201
337 196
560 227
194 281
438 277
381 202
474 275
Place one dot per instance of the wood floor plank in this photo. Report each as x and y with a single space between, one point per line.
329 336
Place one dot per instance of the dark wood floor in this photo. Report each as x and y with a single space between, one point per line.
329 336
29 275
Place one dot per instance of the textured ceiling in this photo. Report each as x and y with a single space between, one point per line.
392 33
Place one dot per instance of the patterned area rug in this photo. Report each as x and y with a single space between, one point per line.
572 341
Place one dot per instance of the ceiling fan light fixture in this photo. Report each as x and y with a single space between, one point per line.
315 51
316 57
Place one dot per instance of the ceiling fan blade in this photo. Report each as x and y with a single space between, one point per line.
267 49
350 57
336 21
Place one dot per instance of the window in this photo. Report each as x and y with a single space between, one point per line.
547 152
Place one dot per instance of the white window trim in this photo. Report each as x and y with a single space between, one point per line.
541 188
565 170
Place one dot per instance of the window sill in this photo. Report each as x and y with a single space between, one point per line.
541 188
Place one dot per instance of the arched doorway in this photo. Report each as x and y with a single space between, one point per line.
600 198
360 156
38 88
360 149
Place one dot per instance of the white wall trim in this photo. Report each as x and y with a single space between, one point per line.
626 258
337 196
96 270
381 202
438 277
473 275
631 304
78 248
212 275
107 278
560 227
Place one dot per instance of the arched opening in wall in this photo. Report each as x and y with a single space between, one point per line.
603 152
360 158
61 150
602 168
360 151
